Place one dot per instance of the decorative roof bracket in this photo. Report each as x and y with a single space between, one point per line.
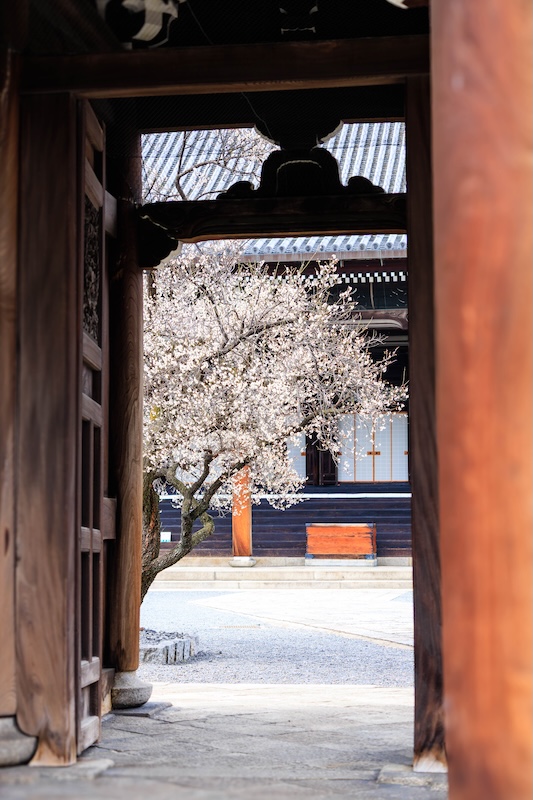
300 194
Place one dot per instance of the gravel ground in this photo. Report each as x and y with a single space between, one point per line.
238 649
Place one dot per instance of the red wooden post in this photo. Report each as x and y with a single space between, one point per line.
482 67
241 520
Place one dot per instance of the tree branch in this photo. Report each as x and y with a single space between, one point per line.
178 552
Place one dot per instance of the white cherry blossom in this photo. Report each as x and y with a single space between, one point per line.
239 360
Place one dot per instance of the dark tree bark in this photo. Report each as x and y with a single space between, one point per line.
153 560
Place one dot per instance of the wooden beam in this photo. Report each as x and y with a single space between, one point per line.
125 415
9 157
162 225
429 752
230 68
483 207
47 429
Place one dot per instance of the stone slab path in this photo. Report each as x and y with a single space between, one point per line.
259 741
228 742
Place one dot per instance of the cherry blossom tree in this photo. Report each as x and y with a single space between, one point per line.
238 362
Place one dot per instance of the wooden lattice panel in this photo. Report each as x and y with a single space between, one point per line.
97 512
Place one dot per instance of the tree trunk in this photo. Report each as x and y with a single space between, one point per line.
153 561
151 521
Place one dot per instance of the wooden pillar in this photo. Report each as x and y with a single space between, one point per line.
482 67
15 747
241 518
125 413
429 754
8 297
47 428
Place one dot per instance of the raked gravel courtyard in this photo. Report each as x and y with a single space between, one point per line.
295 695
300 636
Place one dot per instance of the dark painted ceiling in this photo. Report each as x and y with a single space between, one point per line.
63 26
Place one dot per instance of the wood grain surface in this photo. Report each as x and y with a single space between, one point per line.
482 57
8 355
125 415
47 428
162 224
341 539
232 68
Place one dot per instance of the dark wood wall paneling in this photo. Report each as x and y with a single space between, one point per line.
429 724
482 57
47 428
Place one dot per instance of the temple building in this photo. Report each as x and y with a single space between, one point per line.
374 266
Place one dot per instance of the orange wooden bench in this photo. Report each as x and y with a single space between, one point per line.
341 540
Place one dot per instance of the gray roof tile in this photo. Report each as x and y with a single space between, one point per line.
374 150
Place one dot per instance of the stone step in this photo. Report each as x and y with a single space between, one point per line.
284 577
206 586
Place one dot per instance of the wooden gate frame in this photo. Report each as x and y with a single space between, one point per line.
481 97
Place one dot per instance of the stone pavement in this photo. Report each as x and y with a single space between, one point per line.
229 742
236 741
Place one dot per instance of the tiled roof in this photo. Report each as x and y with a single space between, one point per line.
164 156
374 150
383 245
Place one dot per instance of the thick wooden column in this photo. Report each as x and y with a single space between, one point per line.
482 67
8 352
15 748
241 516
125 410
47 428
429 725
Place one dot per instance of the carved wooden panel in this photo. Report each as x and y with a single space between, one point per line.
92 265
